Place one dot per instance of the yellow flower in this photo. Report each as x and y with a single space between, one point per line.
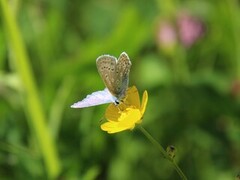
127 114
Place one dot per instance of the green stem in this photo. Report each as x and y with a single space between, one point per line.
58 105
32 100
163 152
180 66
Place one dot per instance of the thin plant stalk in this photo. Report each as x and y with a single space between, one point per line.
163 152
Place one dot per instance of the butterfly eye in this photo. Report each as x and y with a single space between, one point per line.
117 102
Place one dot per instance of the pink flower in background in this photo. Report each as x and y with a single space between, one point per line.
186 29
190 29
166 34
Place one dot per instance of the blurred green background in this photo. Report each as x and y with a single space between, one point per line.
186 54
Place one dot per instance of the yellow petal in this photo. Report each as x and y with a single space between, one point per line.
144 102
132 97
126 115
112 112
127 120
130 117
111 127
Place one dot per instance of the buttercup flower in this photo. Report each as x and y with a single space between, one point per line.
129 113
126 115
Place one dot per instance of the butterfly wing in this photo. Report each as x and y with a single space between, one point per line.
115 73
122 75
94 99
106 66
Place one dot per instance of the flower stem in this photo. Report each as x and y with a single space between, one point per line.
163 152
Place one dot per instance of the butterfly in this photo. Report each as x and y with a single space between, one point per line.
115 75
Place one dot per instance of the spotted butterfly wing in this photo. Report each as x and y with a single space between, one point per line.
122 75
115 73
106 66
